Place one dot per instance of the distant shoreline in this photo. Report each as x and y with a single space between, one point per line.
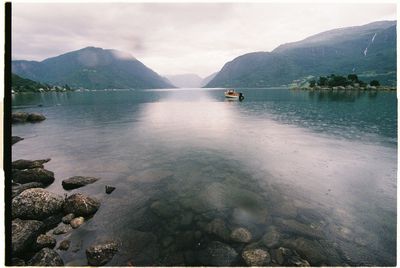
347 88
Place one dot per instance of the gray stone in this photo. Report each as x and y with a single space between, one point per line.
64 245
33 175
17 189
46 257
77 182
45 241
68 218
28 164
256 257
287 257
52 221
36 204
217 254
101 253
23 234
62 229
76 222
241 235
81 205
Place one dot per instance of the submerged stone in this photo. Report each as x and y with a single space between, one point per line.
101 253
217 254
256 257
28 164
271 237
81 205
241 235
33 175
77 182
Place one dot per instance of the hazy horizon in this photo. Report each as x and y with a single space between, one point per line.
175 39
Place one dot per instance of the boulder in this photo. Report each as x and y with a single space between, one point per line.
19 117
36 204
77 182
76 222
64 245
15 139
109 189
100 253
256 257
23 234
68 218
33 175
35 117
217 254
46 257
62 229
19 188
45 241
241 235
81 205
28 164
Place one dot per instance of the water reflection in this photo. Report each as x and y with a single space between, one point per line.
190 169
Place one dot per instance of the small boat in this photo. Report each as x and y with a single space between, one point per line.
232 94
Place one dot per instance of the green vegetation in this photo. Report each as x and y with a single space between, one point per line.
341 82
19 84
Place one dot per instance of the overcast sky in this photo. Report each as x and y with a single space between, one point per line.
178 38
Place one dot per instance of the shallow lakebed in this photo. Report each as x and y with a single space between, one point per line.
311 172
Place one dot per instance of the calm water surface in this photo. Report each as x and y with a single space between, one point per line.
319 168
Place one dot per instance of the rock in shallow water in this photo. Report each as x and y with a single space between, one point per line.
109 189
77 182
45 241
217 254
101 253
17 189
46 257
241 235
256 257
28 164
68 218
64 245
76 222
81 205
33 175
15 139
22 117
23 234
36 204
62 229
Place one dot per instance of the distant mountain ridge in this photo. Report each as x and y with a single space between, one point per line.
185 80
368 50
91 68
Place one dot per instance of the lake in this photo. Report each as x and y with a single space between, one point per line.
314 172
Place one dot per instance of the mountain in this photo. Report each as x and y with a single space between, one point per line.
185 80
368 50
207 79
92 68
19 84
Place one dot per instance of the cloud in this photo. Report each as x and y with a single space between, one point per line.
178 38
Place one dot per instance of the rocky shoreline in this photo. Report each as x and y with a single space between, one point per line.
346 88
39 215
